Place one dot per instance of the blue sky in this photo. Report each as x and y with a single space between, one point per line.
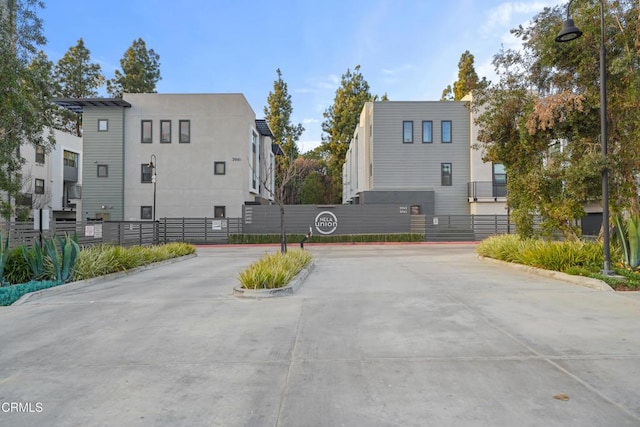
406 48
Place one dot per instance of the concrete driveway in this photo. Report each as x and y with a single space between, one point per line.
378 335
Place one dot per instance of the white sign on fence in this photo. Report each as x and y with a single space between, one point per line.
97 231
89 230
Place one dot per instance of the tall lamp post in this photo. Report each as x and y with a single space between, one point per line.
153 165
571 32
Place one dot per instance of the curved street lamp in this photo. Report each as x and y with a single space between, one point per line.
153 165
571 32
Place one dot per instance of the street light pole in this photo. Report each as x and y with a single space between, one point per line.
153 165
571 32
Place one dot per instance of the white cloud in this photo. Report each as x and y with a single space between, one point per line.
310 121
506 14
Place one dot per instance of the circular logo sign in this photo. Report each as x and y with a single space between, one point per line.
326 222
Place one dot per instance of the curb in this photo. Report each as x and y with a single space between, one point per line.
293 286
586 282
36 295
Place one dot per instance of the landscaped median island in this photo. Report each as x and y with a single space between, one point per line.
578 258
58 261
272 274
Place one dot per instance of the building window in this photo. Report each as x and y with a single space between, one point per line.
165 131
40 154
185 131
255 167
219 168
146 212
499 180
70 159
445 174
220 211
446 131
103 125
146 173
103 171
407 132
427 131
39 186
147 131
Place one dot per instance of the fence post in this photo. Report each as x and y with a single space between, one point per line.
183 229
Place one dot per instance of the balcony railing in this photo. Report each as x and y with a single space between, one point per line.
486 191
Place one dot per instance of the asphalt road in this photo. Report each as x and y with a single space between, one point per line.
378 335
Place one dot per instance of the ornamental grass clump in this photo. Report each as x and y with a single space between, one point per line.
274 270
557 256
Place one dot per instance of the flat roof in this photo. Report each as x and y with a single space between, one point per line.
77 104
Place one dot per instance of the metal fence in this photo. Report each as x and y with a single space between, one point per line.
123 233
198 230
436 228
470 228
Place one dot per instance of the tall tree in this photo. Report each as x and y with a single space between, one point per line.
340 122
21 93
468 80
549 93
140 71
76 77
278 115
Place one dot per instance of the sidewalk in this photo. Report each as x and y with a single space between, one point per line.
410 335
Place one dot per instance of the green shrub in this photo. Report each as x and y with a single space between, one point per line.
11 294
274 270
339 238
105 259
17 269
506 247
4 256
34 257
558 256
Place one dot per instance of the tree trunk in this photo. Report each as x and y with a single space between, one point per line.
283 233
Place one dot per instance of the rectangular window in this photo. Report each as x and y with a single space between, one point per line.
185 131
427 131
407 132
146 173
103 171
446 131
146 212
499 180
165 131
39 186
220 211
40 154
70 159
103 125
445 174
219 168
254 161
147 131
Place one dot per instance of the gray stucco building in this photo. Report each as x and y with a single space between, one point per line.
187 155
421 153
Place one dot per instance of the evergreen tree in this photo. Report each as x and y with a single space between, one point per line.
76 77
340 122
278 115
140 71
467 80
22 93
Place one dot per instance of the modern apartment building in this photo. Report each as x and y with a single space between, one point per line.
421 153
52 180
153 155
